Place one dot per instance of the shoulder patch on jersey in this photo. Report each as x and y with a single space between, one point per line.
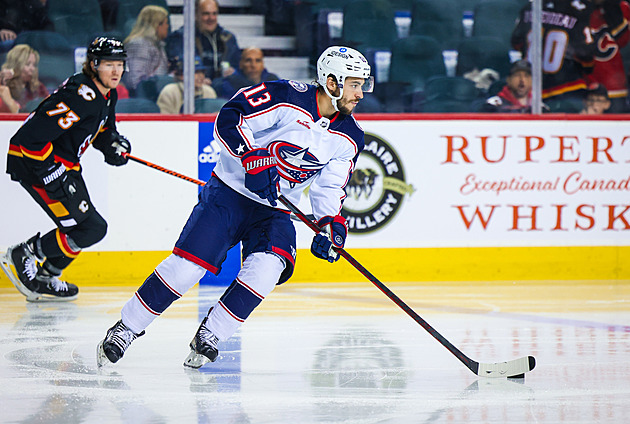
299 86
86 92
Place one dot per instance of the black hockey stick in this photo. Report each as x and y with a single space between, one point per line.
511 369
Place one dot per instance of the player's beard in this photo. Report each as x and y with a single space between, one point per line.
345 106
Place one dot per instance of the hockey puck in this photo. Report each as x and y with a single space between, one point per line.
517 376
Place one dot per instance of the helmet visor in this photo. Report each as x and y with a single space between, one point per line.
368 85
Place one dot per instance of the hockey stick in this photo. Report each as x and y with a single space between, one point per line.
160 168
511 369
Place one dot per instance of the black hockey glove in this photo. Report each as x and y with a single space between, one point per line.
59 185
114 151
261 174
332 236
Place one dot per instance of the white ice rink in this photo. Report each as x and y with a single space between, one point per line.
328 353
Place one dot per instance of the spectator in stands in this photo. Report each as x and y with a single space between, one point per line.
564 67
609 22
216 46
171 98
7 102
145 46
596 101
251 71
21 68
516 95
22 15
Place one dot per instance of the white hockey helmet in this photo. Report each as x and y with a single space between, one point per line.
343 62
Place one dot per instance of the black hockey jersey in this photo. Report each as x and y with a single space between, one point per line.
568 47
61 128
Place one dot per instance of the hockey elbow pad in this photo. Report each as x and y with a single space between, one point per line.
261 174
332 236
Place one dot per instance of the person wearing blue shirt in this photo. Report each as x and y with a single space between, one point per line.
251 72
216 46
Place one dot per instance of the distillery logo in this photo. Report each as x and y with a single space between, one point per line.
377 187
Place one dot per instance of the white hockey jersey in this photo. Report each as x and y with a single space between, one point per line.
311 150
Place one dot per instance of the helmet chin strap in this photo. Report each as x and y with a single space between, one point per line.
334 99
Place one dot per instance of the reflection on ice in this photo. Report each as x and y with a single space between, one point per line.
307 359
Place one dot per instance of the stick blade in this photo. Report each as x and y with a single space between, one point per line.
510 369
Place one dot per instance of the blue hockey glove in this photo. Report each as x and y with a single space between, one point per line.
332 236
261 174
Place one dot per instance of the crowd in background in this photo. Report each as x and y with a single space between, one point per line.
428 68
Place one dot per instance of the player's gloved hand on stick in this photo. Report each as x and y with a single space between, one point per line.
58 183
114 151
261 174
332 236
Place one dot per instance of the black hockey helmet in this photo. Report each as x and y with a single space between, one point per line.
106 48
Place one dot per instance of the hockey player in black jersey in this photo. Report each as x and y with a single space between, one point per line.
44 157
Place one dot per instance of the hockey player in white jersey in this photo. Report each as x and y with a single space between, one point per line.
278 136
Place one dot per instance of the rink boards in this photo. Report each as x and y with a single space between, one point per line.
432 199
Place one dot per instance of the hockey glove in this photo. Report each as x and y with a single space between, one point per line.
59 185
331 237
612 14
114 152
261 174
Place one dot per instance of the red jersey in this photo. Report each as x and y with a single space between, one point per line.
609 69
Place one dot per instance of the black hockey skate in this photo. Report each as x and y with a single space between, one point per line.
50 287
20 265
115 343
203 347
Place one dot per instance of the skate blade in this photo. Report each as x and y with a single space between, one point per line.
43 298
7 266
101 358
195 360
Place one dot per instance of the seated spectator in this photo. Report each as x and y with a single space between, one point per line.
171 98
516 95
145 46
23 15
216 46
251 71
7 102
596 101
22 76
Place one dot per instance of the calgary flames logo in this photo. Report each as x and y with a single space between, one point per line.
295 164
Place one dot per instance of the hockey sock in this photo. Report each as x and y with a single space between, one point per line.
258 277
170 280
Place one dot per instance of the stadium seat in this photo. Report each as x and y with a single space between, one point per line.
447 94
438 19
136 105
496 18
481 53
31 105
44 41
128 11
77 20
368 24
151 87
209 105
414 60
55 68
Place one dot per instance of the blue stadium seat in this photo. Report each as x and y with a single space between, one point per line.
136 105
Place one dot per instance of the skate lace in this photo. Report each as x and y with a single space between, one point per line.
123 337
30 267
208 337
58 285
